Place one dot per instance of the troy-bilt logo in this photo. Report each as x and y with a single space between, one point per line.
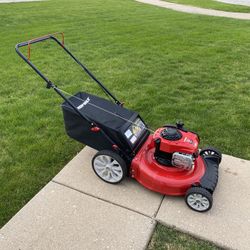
84 103
190 141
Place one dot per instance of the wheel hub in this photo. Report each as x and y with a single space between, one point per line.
198 202
108 168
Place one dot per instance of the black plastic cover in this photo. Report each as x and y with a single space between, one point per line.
110 117
210 178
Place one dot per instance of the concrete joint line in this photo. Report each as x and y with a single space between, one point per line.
155 221
104 200
153 218
113 203
157 211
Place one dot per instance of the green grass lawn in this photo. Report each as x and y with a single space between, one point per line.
164 64
170 239
211 4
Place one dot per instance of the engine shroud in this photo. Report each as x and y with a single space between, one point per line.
188 143
175 147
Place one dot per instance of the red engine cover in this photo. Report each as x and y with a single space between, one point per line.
187 144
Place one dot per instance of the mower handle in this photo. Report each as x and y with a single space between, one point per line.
39 39
51 85
61 44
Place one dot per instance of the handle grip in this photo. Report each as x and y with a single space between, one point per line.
36 40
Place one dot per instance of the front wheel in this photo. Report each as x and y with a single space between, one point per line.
109 166
199 199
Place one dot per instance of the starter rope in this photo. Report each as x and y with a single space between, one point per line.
100 108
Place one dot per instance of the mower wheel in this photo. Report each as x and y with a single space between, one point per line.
109 166
212 152
199 199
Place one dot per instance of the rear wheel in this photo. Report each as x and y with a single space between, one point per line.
109 166
212 152
199 199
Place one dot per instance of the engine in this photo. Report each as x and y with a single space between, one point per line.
176 147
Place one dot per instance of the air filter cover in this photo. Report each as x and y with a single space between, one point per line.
171 134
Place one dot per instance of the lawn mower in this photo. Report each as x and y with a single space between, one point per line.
167 161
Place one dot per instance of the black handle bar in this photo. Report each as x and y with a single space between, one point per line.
49 83
52 85
39 39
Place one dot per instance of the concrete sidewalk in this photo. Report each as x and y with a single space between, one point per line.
236 2
196 10
77 210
